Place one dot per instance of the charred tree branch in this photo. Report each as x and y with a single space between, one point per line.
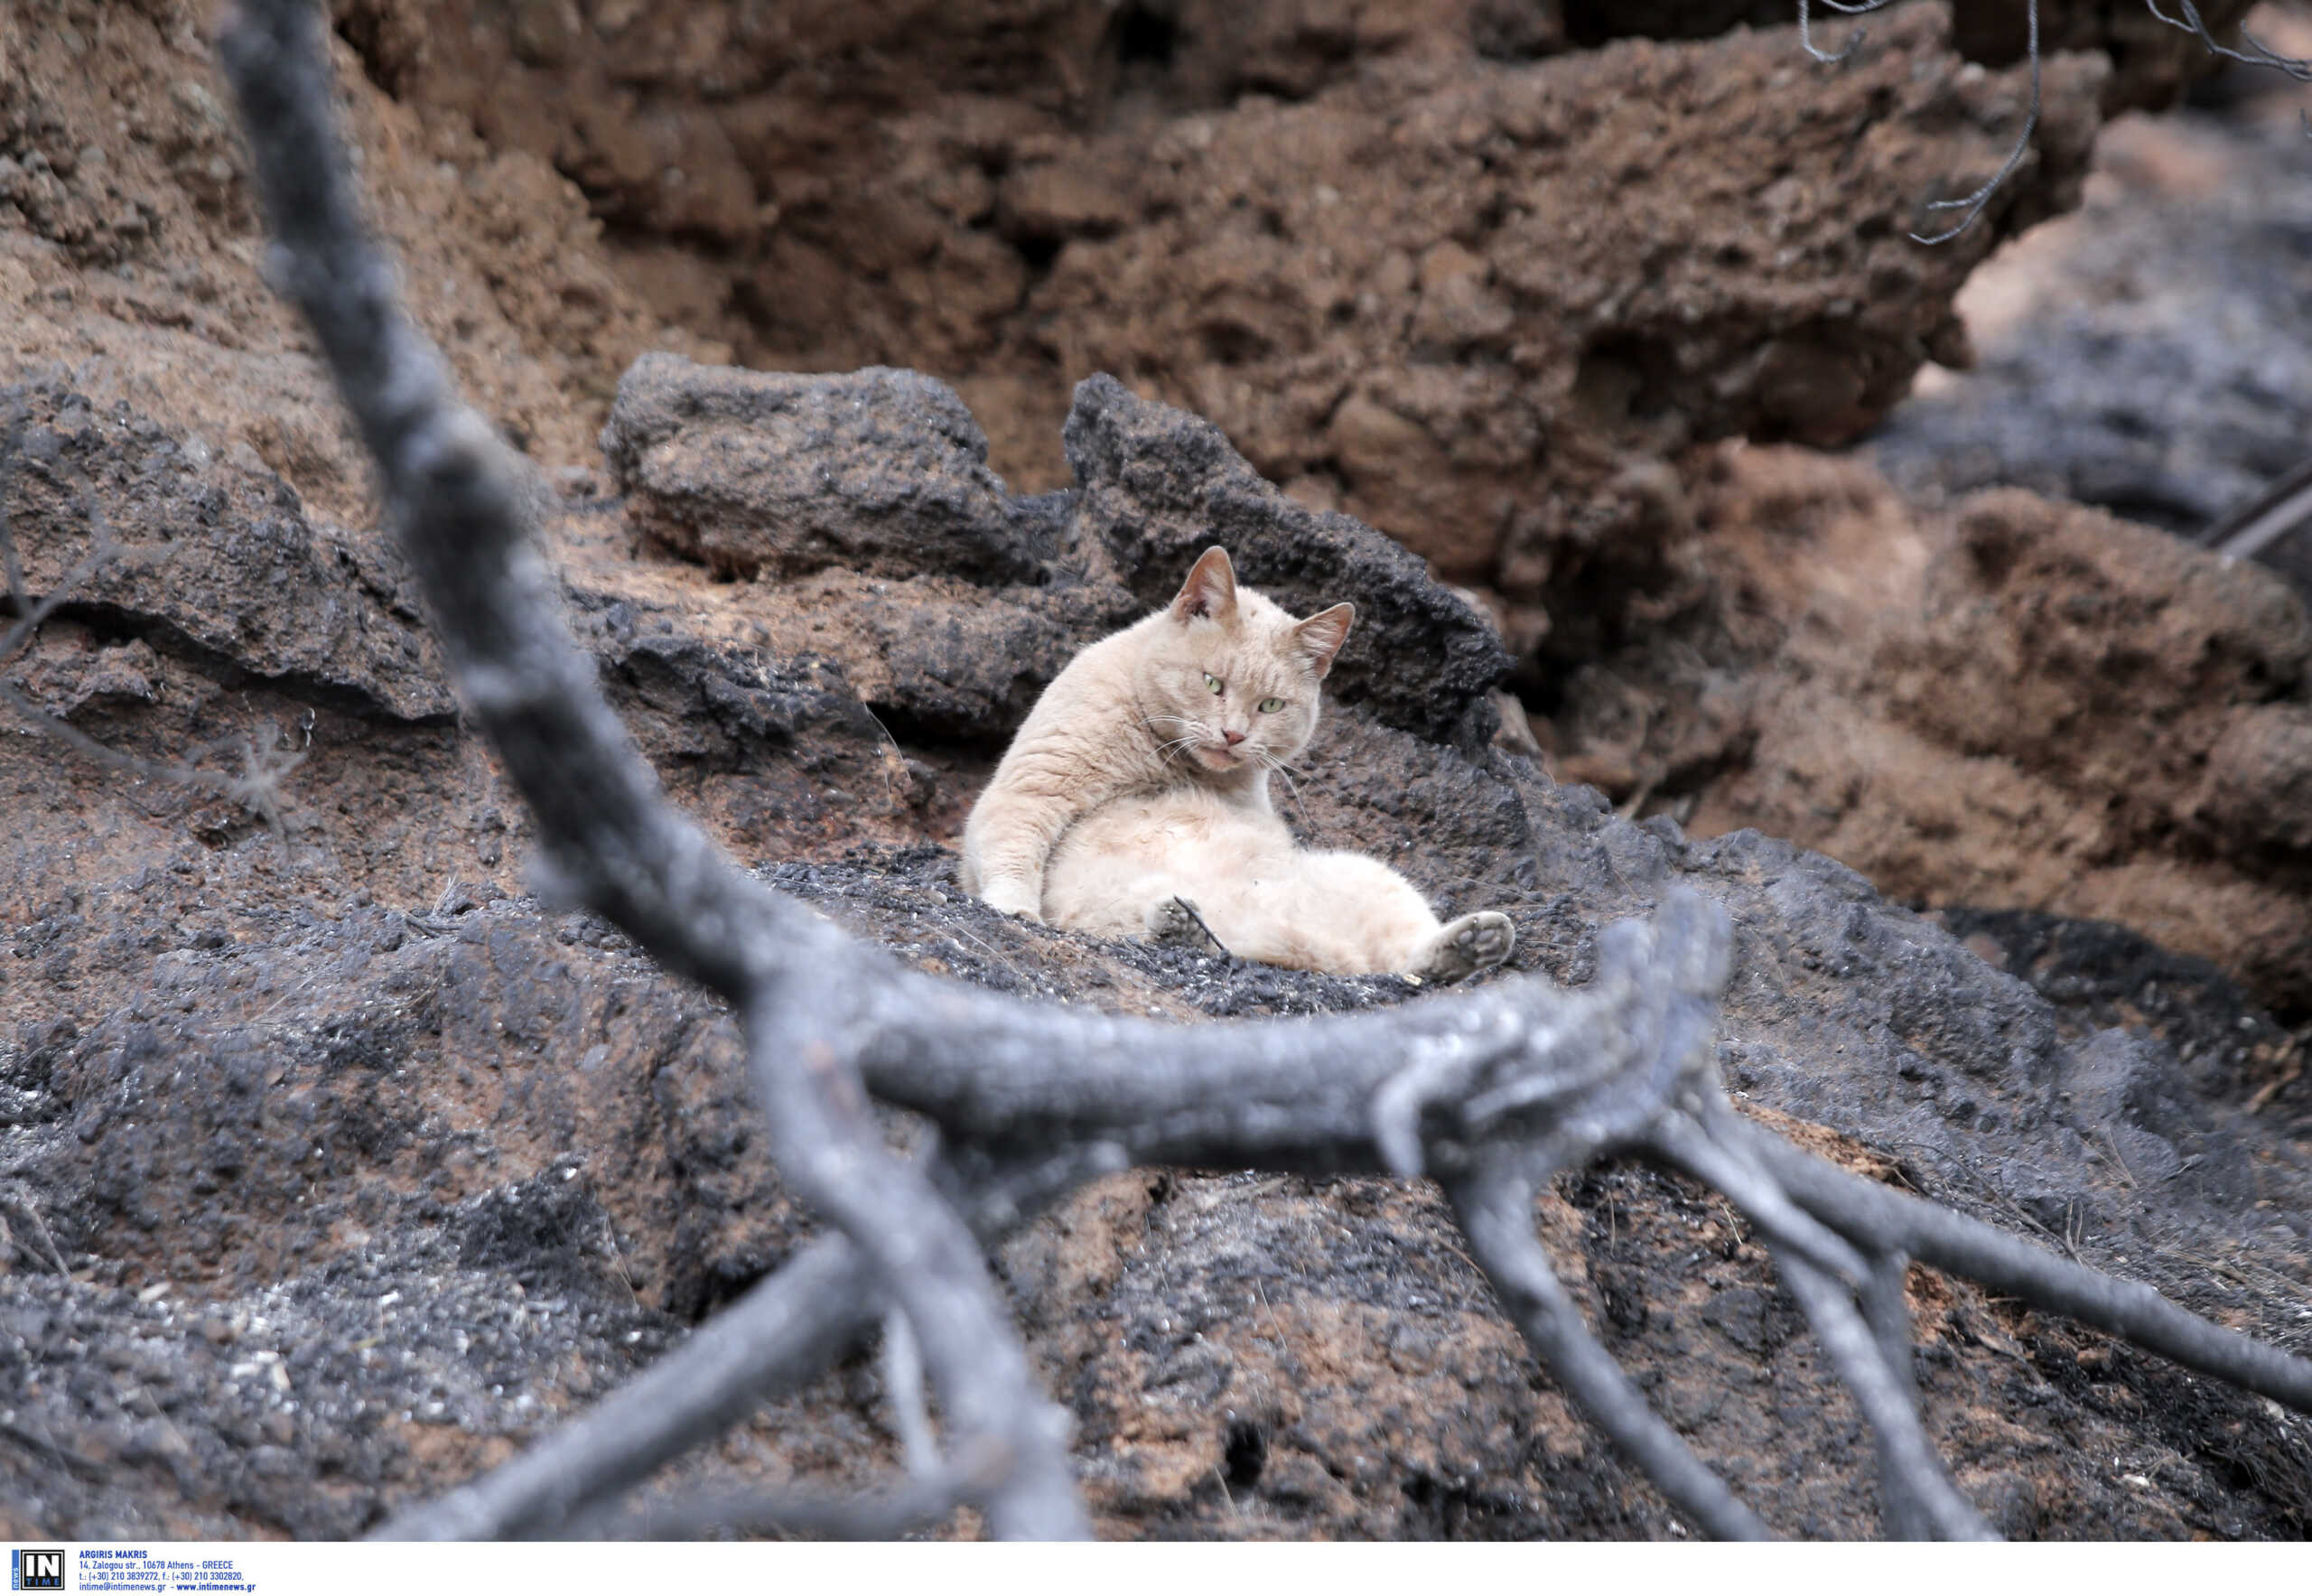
613 843
1494 1092
1496 1213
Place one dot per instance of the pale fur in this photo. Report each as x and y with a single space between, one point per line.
1134 867
1124 807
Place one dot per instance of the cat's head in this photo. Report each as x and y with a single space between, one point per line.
1228 681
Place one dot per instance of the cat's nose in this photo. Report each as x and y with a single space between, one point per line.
1234 737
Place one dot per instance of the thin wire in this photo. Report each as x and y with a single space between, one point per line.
1853 43
1973 204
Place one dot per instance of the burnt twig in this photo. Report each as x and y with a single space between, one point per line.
1971 206
2252 52
1497 1212
1854 41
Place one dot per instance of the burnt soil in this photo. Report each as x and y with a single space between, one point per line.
333 1166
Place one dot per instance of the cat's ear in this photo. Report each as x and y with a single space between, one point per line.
1322 634
1210 591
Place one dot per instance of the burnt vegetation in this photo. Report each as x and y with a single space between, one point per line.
922 1096
1492 1095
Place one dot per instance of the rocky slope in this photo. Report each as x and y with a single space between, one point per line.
1998 699
2004 701
355 1193
331 1166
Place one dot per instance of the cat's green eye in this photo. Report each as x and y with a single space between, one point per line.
1271 706
1212 683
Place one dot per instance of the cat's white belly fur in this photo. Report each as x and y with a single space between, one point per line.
1259 893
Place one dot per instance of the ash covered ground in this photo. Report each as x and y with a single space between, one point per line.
333 1167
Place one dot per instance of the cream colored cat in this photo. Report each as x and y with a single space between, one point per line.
1134 802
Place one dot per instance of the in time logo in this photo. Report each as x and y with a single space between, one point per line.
36 1569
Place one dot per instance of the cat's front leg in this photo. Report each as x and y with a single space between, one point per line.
1005 849
1045 785
1009 838
1014 895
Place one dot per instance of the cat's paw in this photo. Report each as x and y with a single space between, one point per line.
1472 942
1175 922
1006 896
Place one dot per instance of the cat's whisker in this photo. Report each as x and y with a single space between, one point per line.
1196 731
1282 766
1285 771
